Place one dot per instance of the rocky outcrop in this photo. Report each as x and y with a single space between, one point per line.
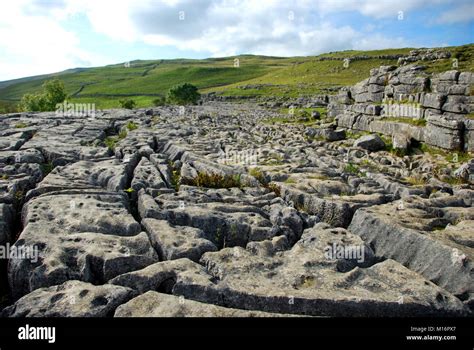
71 299
431 237
216 212
406 102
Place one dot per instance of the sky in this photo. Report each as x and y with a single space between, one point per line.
47 36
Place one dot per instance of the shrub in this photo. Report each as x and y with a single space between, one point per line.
183 94
159 101
127 104
53 93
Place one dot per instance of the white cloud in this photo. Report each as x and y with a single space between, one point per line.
33 39
31 43
463 13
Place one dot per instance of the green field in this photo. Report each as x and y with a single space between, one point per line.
143 81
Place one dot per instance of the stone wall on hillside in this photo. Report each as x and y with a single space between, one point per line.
408 104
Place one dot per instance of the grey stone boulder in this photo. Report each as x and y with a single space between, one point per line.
175 242
71 299
409 233
306 280
147 176
443 132
370 142
170 276
433 100
86 236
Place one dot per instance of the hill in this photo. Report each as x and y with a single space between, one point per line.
244 75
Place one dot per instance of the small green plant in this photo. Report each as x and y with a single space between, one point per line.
46 168
290 181
415 181
274 188
4 177
20 125
129 190
455 181
132 126
213 180
259 175
352 169
127 103
19 195
122 134
110 142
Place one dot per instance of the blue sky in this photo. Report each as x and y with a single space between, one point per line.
46 36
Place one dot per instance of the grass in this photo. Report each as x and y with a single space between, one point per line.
122 134
275 189
258 174
212 180
291 77
454 181
111 141
354 134
289 120
415 181
290 181
302 111
365 163
175 175
21 125
132 126
351 169
454 157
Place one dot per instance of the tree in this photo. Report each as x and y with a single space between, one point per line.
183 94
53 93
128 104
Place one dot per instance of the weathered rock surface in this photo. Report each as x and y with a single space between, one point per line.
71 299
218 212
424 236
152 304
174 242
88 236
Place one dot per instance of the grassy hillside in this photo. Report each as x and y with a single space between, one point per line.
255 76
